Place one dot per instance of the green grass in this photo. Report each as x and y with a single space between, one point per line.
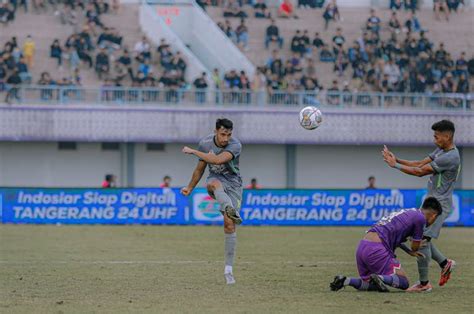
114 269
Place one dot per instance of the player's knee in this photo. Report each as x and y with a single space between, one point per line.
229 227
212 186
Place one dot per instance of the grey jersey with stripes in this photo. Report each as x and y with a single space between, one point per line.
230 171
446 166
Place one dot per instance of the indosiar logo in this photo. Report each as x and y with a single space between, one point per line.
206 208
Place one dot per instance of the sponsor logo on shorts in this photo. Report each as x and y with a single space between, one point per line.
206 208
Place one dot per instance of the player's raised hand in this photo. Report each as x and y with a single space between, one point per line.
187 150
186 191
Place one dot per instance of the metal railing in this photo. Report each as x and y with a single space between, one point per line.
40 94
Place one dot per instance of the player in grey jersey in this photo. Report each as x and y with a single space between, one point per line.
444 165
221 152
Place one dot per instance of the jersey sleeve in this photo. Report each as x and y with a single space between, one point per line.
433 154
444 162
234 149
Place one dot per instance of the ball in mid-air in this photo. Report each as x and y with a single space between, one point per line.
310 117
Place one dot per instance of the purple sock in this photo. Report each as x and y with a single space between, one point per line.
361 285
399 282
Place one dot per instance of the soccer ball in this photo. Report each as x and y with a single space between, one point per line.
310 117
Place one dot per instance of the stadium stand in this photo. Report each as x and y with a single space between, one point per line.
97 44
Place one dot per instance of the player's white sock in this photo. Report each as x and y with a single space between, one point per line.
228 269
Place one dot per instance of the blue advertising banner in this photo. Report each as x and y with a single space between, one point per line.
259 207
93 206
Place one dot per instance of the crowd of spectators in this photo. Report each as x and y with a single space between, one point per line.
389 56
402 59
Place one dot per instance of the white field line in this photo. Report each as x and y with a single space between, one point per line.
163 262
153 262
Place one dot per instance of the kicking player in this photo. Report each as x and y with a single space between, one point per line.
221 152
375 256
444 165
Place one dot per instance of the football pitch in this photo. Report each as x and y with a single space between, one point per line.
178 269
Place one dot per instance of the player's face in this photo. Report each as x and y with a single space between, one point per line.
223 136
430 218
441 139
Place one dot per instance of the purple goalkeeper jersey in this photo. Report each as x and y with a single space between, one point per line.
395 228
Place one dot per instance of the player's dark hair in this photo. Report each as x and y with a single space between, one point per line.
109 177
432 204
443 126
224 123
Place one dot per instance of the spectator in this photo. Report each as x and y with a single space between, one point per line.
463 84
318 43
29 48
338 41
13 82
261 10
216 78
394 23
56 52
102 64
373 22
23 72
242 34
6 13
275 64
142 49
441 6
470 66
325 55
453 5
461 65
395 4
273 35
331 13
341 62
233 9
126 61
333 94
145 68
166 59
393 73
200 84
229 31
412 24
109 181
178 63
68 16
166 182
424 45
371 185
297 43
286 10
305 42
253 185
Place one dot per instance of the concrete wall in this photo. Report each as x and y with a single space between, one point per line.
317 166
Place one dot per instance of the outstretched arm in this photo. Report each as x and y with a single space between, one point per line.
197 175
210 157
415 168
409 163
